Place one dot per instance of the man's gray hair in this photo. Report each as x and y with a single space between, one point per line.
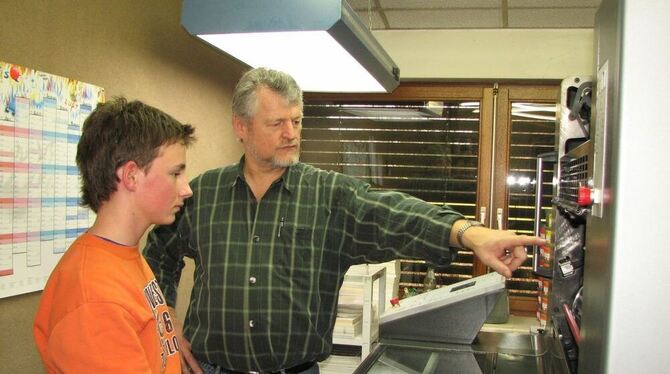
244 97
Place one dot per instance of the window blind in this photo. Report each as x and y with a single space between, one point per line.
428 149
533 127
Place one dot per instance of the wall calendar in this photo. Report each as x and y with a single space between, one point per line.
40 124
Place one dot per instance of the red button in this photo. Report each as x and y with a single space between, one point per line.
584 196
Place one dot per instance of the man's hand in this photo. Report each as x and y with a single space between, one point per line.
502 251
189 364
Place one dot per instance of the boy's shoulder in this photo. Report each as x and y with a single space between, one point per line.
88 271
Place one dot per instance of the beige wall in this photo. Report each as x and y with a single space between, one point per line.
137 49
131 48
490 54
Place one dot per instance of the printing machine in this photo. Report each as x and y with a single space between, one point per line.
440 332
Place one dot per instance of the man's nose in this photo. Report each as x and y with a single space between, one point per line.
289 130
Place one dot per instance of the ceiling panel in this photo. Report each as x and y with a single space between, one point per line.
375 22
444 19
551 18
553 3
432 4
466 14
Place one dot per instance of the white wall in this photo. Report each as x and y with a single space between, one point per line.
639 324
490 54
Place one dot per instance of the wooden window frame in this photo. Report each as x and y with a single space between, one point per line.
491 193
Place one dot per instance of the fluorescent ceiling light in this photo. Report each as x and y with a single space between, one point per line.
306 65
321 43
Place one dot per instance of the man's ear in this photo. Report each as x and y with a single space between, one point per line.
128 174
240 127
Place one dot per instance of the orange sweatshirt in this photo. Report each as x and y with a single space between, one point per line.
103 312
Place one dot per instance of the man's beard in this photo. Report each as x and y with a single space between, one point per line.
286 162
276 162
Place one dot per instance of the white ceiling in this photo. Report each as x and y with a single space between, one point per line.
479 14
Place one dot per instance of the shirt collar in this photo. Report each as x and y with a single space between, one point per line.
240 171
288 181
292 176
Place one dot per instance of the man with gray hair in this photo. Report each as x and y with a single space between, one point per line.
272 239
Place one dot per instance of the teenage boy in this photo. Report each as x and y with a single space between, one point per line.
102 310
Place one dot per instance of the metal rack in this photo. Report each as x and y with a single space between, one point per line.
367 275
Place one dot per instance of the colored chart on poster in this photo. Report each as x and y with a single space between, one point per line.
40 124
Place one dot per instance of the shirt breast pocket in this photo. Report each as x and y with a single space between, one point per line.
296 248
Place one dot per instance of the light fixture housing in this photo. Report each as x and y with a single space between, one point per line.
323 44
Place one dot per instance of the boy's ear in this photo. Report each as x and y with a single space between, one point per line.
128 174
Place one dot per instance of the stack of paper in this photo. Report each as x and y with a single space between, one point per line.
349 320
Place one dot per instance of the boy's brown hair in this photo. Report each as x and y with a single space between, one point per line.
117 132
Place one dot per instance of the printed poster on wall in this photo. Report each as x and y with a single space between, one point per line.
40 125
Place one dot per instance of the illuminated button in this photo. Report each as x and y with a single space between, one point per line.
252 280
251 323
257 238
584 196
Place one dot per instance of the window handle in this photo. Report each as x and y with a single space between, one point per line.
499 215
482 215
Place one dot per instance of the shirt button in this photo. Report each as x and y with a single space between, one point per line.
252 280
251 323
257 238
